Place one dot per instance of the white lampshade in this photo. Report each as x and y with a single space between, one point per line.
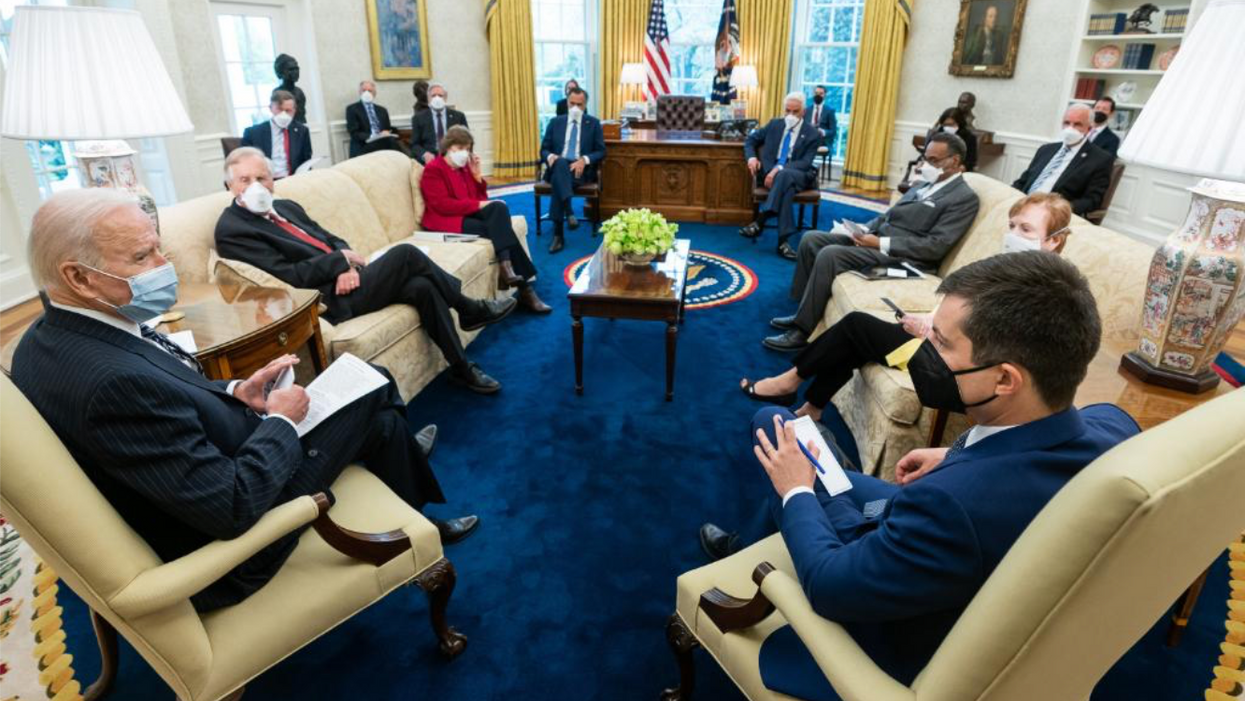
744 77
633 74
78 73
1193 121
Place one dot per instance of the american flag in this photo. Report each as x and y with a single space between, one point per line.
657 51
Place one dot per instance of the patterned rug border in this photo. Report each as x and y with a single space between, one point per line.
748 286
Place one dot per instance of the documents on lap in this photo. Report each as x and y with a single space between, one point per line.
830 472
372 258
345 381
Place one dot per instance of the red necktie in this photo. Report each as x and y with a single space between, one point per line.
300 234
289 160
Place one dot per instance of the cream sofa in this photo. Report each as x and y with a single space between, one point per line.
373 202
880 405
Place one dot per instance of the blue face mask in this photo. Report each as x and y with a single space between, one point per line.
151 293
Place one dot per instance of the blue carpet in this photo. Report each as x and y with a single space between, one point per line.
590 507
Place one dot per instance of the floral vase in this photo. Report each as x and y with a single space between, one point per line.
638 259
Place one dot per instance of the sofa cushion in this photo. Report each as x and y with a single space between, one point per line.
337 203
854 292
1117 268
188 234
991 196
370 334
385 177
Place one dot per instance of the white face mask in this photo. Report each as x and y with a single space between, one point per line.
574 113
929 173
1070 136
791 120
437 103
257 199
366 96
950 130
1015 243
282 119
458 158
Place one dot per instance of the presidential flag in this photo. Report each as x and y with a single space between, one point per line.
657 51
726 53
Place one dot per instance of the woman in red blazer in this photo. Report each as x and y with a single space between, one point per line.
456 201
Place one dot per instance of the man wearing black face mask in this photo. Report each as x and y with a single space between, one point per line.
898 565
1101 135
821 115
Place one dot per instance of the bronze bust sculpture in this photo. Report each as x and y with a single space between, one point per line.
966 103
286 68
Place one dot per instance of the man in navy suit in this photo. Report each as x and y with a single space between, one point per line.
286 142
183 459
822 116
1101 135
1071 167
780 156
898 564
366 120
573 149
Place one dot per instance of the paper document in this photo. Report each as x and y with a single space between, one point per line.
346 380
378 137
831 473
443 238
372 258
185 339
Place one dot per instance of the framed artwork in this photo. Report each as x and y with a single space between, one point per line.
398 30
986 38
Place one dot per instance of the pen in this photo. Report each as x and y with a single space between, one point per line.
810 457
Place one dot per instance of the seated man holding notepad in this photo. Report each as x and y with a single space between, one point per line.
919 230
186 460
898 565
278 237
368 124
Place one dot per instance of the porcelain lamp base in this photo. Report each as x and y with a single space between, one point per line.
1137 366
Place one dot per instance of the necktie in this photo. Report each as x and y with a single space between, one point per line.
371 117
957 446
785 150
300 234
172 348
1050 169
572 143
440 127
289 160
817 115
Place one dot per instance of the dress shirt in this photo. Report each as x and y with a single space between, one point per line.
373 122
566 141
1049 183
280 159
922 193
794 131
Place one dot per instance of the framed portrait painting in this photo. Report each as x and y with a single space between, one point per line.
398 30
987 37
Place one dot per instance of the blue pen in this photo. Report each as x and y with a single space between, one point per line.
810 457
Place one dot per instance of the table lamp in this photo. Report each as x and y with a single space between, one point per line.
744 77
633 74
1195 294
93 76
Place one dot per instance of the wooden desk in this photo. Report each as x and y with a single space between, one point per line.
700 180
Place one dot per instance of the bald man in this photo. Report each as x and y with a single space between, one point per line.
780 157
1071 167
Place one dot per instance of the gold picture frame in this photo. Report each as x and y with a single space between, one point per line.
985 46
399 51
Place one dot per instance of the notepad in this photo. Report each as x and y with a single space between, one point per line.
831 474
346 380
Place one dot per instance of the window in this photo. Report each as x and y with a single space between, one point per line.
565 48
693 28
828 36
248 45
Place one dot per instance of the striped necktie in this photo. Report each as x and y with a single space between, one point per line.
171 348
957 446
1050 169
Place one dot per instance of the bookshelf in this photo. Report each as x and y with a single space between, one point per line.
1102 26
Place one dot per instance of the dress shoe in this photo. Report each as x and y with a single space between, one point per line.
427 439
717 543
489 311
557 243
782 323
456 530
751 231
531 301
789 340
786 251
475 379
506 276
572 222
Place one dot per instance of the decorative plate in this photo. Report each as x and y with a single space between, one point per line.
1165 58
1125 91
1107 57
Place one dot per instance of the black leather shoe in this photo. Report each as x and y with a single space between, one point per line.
751 231
489 311
475 379
717 543
456 530
557 243
786 251
783 323
789 340
427 439
572 222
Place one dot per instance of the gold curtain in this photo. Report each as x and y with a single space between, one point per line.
622 41
882 42
765 42
512 63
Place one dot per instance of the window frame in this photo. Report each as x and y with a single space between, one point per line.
803 19
276 15
676 45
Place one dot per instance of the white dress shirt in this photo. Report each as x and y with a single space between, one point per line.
1049 183
923 193
566 140
280 160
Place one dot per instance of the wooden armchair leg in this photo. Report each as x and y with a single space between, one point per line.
683 644
106 635
536 197
438 583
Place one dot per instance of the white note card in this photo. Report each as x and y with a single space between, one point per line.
185 339
831 474
346 380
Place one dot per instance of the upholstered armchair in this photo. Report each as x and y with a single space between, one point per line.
333 573
1095 569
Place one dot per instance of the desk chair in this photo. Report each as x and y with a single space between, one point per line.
1096 216
680 114
590 192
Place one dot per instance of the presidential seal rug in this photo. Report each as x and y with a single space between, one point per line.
712 280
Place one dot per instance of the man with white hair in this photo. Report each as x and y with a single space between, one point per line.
1072 167
280 238
184 460
368 124
429 126
780 157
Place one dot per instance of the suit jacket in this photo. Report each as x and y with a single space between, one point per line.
1083 182
591 142
924 231
248 237
260 136
561 108
360 128
975 47
769 141
181 460
424 131
1108 141
899 580
449 195
828 124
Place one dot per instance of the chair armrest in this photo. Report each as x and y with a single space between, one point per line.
175 581
849 669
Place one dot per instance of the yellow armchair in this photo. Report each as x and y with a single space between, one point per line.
333 573
1087 578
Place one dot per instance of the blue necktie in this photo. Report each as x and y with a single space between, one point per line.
785 149
572 145
1050 169
371 118
960 443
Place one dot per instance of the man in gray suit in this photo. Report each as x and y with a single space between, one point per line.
919 230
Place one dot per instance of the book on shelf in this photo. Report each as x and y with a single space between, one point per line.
1106 23
1175 20
1138 57
1089 88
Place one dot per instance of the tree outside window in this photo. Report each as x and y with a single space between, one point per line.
828 35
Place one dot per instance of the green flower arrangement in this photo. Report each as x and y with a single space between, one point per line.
638 234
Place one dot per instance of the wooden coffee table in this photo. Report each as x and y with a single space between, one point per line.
609 288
